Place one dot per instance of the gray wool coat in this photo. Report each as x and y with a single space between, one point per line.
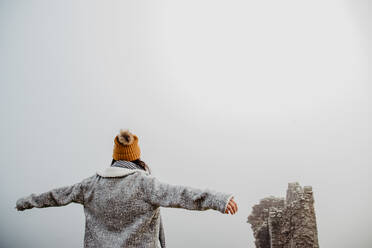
122 205
131 165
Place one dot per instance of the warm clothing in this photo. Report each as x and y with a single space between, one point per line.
122 206
130 165
126 146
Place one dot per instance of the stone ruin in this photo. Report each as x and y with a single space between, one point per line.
286 223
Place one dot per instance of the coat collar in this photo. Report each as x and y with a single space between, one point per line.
117 171
120 168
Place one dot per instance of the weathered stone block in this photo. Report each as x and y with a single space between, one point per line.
289 223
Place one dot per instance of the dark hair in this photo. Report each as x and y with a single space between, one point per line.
137 162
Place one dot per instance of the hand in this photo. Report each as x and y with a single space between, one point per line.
20 205
232 207
19 208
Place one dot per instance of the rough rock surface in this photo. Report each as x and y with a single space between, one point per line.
286 223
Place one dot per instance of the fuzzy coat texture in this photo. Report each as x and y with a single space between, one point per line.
130 165
122 206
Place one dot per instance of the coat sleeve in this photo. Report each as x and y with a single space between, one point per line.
54 198
178 196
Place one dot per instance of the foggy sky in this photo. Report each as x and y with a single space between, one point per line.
235 96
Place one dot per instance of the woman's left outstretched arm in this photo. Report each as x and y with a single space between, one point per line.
54 198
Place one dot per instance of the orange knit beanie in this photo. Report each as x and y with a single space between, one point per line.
126 146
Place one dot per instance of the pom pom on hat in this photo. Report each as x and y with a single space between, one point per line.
125 137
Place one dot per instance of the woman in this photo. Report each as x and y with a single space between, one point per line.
122 202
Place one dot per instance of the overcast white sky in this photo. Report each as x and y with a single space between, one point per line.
235 96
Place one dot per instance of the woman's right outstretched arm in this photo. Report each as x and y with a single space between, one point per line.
178 196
